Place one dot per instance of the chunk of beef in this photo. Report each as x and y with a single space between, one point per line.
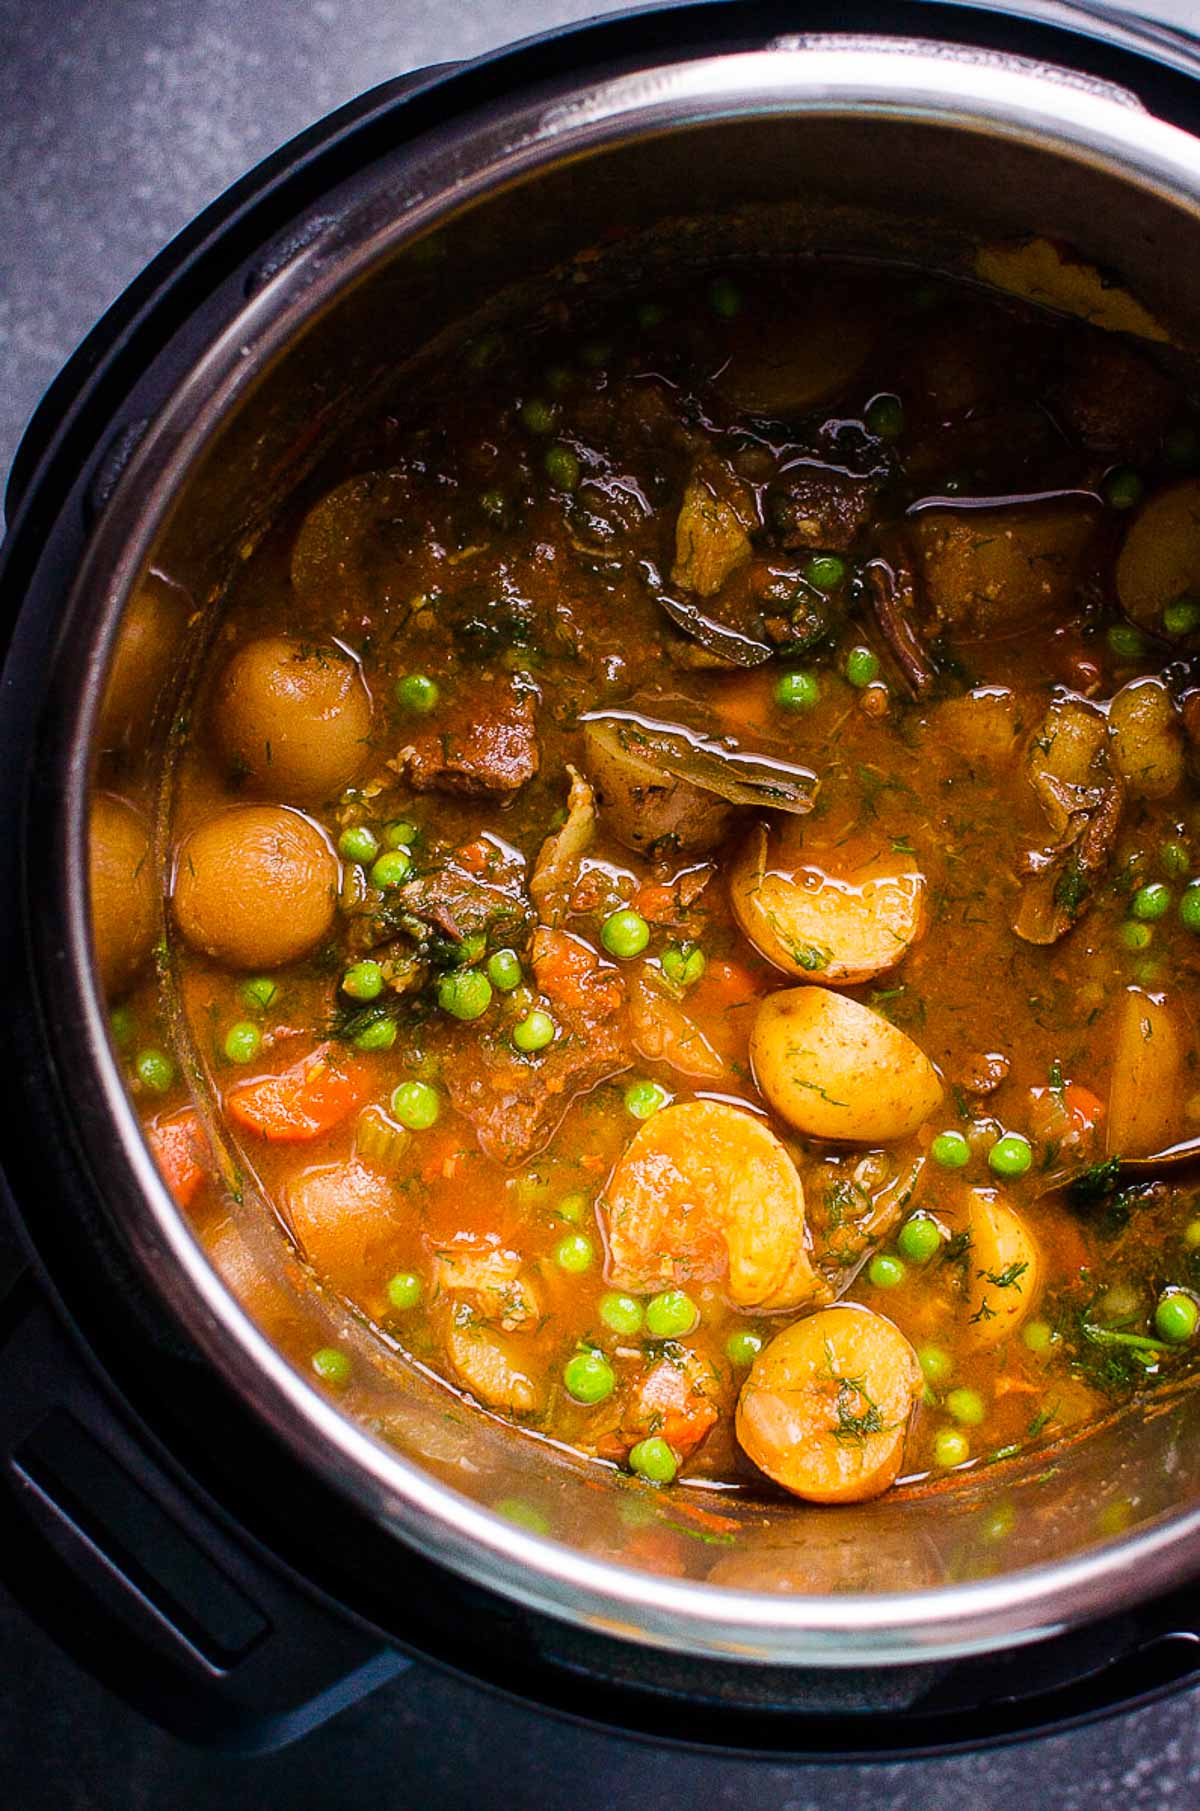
1112 398
483 741
515 1103
815 505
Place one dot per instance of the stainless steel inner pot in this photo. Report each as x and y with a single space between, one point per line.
877 148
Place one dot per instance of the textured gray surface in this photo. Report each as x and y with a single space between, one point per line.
118 120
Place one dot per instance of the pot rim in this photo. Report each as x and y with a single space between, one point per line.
445 171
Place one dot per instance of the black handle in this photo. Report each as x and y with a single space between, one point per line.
140 1578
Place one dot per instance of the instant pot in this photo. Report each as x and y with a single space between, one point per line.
204 1528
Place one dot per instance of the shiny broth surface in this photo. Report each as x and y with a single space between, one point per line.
686 880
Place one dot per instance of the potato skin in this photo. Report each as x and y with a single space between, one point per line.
122 890
834 1069
255 886
1160 556
827 1404
291 718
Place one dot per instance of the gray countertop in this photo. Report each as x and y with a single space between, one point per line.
119 119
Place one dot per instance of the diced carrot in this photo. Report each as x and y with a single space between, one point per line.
593 1163
179 1149
303 1102
1083 1105
570 973
730 984
475 857
741 703
658 903
656 1550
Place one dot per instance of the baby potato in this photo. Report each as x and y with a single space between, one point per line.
341 1214
827 1404
1003 1268
494 1366
1147 1076
122 890
146 652
1147 738
255 886
991 571
293 719
706 1193
799 352
1159 560
833 1068
824 927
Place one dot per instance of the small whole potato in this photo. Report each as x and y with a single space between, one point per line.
1147 737
122 890
292 718
147 650
255 886
1159 560
834 1069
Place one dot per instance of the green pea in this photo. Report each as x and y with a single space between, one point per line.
122 1026
1175 859
797 691
649 314
1123 489
885 417
625 933
1150 902
484 351
534 1032
379 1034
522 1515
998 1523
493 503
504 970
243 1042
575 1253
951 1150
405 1290
331 1366
400 834
465 993
621 1313
1191 1234
743 1347
1175 1316
1182 617
725 298
862 666
885 1271
363 981
595 355
653 1460
966 1406
538 415
1181 447
1038 1336
683 963
358 843
1147 974
259 992
936 1363
671 1315
154 1069
920 1239
1135 936
416 1105
417 692
1189 906
589 1377
950 1447
1125 641
825 571
644 1098
558 379
573 1207
561 466
1011 1155
392 869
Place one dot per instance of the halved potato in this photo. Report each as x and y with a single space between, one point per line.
827 1404
1003 1268
1159 560
706 1193
1145 1092
824 927
834 1069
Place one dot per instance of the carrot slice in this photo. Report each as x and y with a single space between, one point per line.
303 1102
1083 1105
179 1149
